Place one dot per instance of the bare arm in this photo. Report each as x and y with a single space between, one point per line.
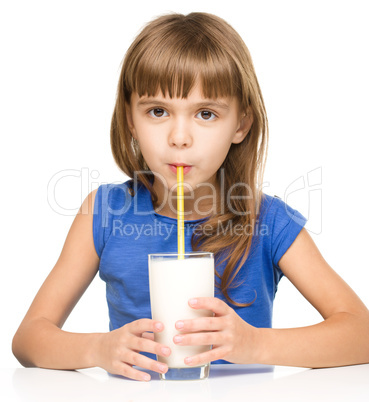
342 338
40 341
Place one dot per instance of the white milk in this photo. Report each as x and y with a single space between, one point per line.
172 283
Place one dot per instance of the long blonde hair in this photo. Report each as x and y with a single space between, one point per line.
170 54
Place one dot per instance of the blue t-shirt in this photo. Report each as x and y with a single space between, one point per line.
126 229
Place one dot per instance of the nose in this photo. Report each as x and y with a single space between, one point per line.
179 135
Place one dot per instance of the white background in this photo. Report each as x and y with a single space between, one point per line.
60 63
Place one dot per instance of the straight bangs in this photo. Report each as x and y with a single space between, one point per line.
178 61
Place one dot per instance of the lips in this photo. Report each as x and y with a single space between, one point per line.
173 167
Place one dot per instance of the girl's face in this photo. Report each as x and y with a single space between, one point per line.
195 132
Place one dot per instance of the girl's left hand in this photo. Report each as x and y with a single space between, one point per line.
232 338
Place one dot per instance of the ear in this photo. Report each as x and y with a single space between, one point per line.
244 127
130 120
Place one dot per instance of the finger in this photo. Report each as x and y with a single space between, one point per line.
148 335
199 324
142 344
214 304
138 327
139 360
203 338
206 357
128 371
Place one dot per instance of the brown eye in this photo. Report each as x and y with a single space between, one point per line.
158 112
206 115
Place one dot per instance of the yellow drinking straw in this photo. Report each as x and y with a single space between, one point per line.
180 213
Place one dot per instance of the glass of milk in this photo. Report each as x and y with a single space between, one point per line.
173 281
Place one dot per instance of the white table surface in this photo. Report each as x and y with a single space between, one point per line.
228 383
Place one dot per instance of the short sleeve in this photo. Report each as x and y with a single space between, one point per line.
97 227
110 205
287 224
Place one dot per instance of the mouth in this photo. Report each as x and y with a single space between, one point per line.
186 168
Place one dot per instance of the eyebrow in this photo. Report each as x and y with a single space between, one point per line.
199 105
218 104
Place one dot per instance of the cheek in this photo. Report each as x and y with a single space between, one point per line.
219 152
151 148
218 149
147 135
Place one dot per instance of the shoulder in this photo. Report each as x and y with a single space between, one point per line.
274 211
281 222
117 198
88 204
113 192
108 202
115 204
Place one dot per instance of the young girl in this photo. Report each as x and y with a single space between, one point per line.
188 96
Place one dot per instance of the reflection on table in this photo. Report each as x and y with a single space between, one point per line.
226 383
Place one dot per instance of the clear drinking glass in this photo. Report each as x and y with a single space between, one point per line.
174 279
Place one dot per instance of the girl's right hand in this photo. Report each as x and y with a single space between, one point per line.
119 349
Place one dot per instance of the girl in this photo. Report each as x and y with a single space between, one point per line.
188 96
